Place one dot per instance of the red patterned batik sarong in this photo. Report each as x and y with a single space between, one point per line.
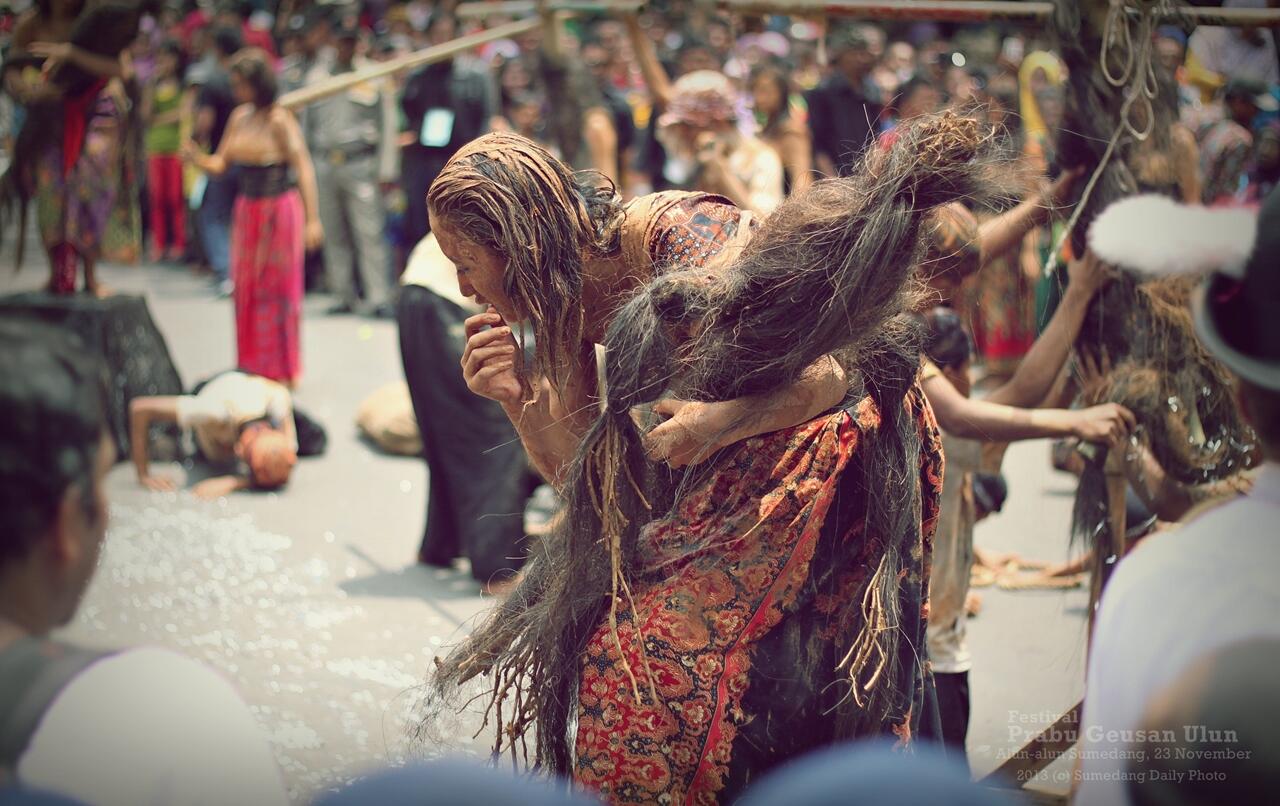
745 584
266 267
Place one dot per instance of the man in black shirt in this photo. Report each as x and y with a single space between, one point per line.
214 105
844 108
445 105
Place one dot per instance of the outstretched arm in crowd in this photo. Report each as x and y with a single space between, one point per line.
601 137
1043 362
1186 163
57 54
26 40
1002 233
655 75
983 420
143 411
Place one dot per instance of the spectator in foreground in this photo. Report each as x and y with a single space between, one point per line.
456 781
138 727
1189 592
1231 754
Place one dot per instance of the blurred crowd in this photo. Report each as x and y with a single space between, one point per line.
678 97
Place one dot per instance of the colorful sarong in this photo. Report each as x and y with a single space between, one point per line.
266 266
77 178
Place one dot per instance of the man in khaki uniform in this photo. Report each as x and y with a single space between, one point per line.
352 137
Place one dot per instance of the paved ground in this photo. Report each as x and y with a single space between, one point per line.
311 603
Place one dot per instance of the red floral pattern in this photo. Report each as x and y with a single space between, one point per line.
723 570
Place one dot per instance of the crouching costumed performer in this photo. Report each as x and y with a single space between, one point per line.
681 632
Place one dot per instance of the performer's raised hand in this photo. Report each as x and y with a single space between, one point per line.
1088 274
491 359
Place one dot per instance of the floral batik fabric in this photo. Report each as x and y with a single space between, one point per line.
743 600
746 583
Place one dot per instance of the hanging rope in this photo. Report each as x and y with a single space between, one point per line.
1127 38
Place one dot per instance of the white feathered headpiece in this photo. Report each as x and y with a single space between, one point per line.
1155 235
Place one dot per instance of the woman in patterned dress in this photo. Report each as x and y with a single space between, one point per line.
680 634
77 173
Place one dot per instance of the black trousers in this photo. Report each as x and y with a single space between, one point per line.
953 707
479 475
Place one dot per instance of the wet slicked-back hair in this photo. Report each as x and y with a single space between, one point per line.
510 195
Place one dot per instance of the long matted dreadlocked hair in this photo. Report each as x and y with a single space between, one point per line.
829 273
1180 394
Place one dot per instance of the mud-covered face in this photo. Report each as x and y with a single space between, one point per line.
481 271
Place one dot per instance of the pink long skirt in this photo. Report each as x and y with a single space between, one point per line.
266 266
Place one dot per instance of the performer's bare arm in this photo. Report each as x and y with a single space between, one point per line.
697 430
965 417
59 53
602 142
1186 155
655 75
26 32
143 411
219 486
1002 233
1169 498
1040 367
286 127
215 164
797 157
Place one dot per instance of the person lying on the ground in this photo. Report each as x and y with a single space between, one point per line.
143 726
243 424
